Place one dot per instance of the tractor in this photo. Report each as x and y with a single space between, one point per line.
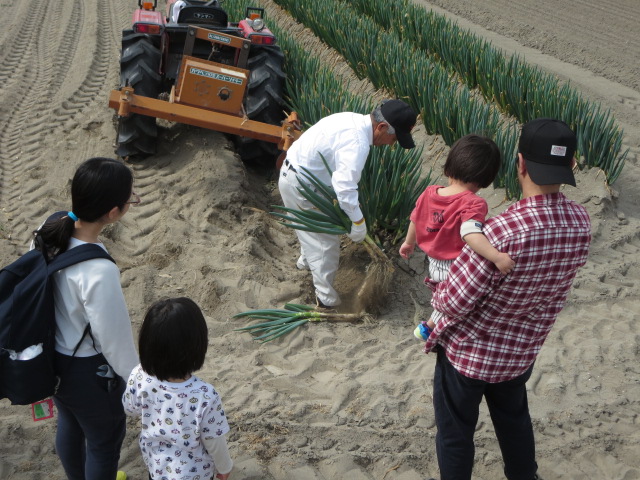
191 65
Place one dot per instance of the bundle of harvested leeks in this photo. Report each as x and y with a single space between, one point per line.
326 216
279 322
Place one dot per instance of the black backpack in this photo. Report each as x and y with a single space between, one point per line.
27 318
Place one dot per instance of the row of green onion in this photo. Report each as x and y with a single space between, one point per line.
447 107
518 88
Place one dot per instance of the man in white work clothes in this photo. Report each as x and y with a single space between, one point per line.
344 140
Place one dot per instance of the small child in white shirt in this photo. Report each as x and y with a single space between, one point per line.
183 423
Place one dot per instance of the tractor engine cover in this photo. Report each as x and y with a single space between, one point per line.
211 85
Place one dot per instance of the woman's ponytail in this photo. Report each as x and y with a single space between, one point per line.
53 237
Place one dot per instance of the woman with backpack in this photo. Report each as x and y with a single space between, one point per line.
93 341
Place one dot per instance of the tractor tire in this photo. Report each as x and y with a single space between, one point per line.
139 68
263 103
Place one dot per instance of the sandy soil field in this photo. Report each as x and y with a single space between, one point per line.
344 401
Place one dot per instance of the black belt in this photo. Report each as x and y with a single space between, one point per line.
287 164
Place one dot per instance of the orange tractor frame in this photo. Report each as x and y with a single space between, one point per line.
208 94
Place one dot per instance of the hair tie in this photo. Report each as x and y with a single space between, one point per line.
72 216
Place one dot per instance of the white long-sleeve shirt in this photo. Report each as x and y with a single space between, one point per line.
344 140
90 292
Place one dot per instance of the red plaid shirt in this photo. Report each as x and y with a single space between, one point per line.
494 325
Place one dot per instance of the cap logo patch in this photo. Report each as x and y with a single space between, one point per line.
558 150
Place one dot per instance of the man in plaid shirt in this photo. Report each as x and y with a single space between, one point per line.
494 325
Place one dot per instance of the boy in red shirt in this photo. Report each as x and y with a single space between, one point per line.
445 218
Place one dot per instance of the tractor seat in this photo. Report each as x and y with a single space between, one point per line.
201 15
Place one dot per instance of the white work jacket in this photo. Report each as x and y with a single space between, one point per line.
344 140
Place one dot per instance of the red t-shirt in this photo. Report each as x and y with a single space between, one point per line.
438 219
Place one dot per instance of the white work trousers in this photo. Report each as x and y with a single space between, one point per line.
320 250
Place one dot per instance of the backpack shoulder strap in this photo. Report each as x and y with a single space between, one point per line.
78 254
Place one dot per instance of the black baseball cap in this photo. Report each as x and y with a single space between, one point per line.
548 146
402 118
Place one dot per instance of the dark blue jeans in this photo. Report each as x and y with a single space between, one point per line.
91 419
456 400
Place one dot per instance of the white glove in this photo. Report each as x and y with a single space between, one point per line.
358 232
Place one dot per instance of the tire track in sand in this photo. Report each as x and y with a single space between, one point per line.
16 51
98 72
39 114
28 92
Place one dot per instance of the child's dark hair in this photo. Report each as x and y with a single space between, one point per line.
473 159
98 185
173 339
